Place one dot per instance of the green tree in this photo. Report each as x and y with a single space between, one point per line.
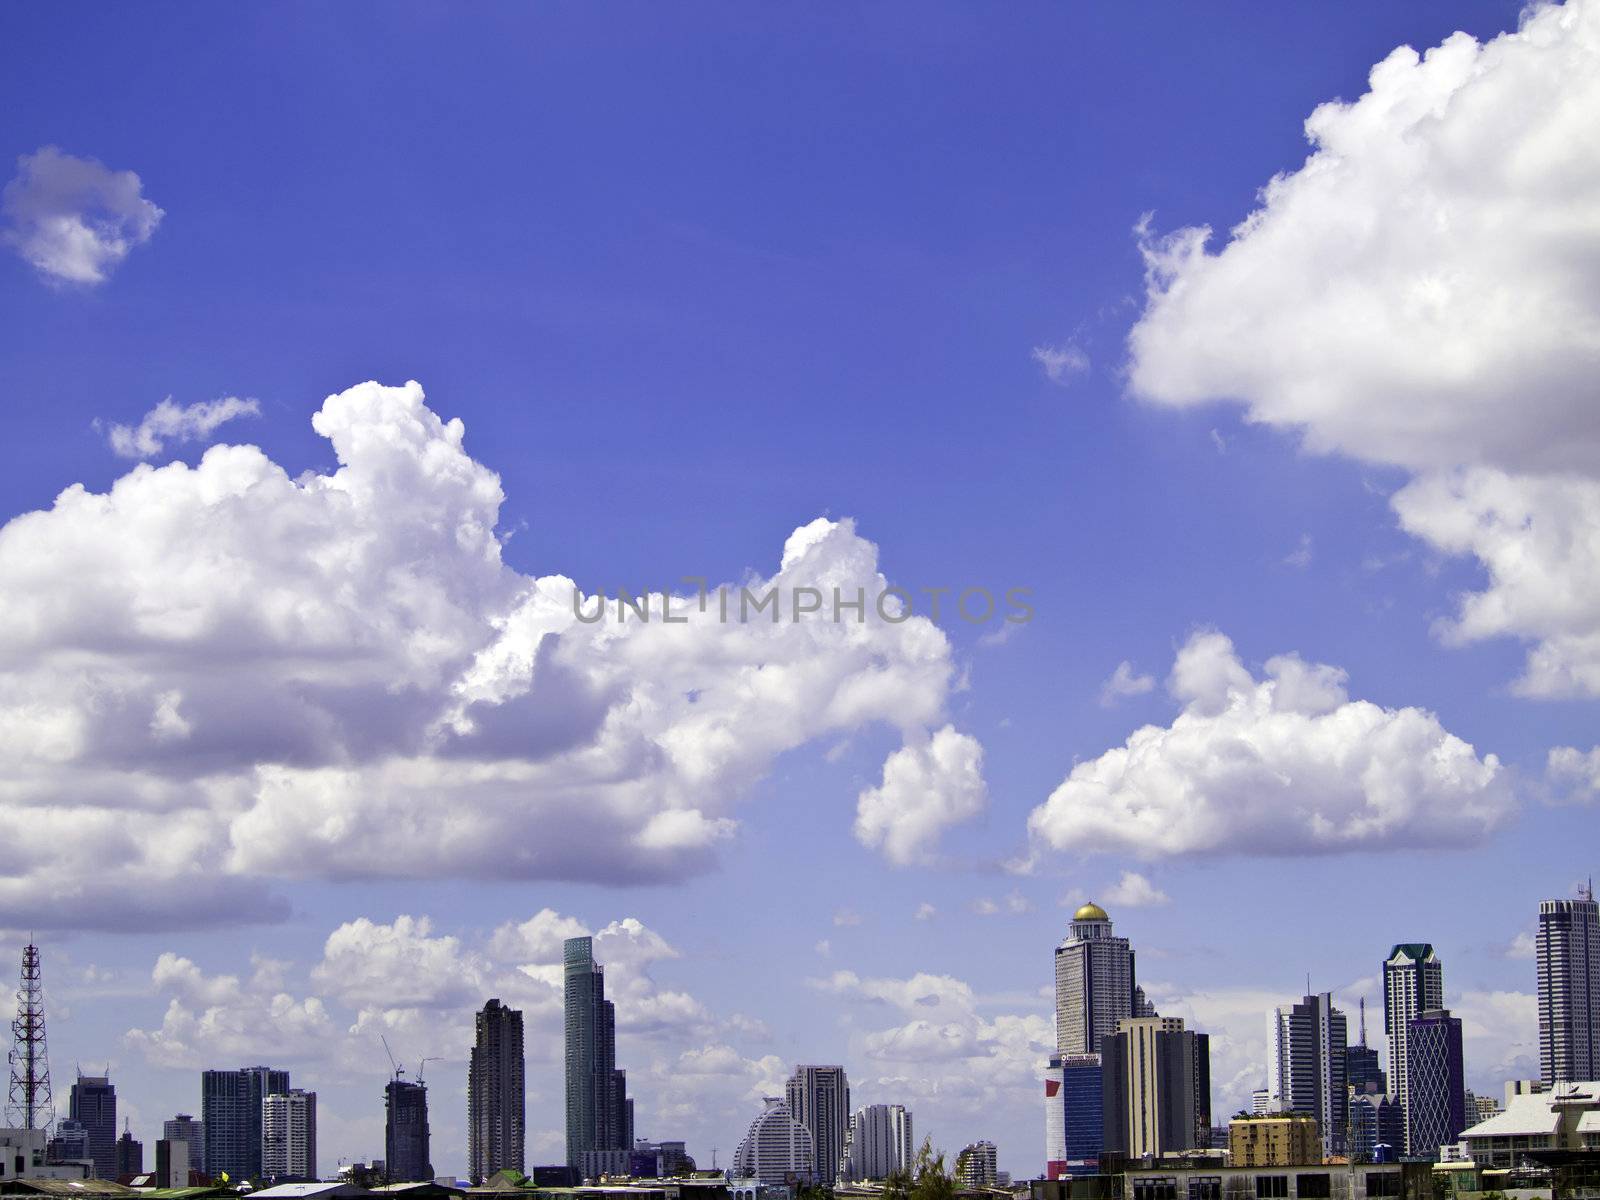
929 1178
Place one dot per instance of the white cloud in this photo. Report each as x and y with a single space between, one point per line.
1574 772
170 422
1300 557
926 911
1521 947
927 787
1500 1037
71 218
1423 293
219 675
1285 764
1133 890
1123 683
1063 363
846 916
1013 902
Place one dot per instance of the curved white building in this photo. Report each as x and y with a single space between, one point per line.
777 1149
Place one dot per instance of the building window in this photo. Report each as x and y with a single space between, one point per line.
1313 1187
1272 1187
1383 1183
1205 1187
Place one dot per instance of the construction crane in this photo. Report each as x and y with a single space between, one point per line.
423 1065
398 1069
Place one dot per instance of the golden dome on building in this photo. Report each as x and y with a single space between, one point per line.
1090 912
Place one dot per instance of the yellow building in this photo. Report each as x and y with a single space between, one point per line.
1283 1140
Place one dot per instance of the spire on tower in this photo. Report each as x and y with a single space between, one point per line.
29 1105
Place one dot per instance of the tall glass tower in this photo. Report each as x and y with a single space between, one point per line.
599 1113
1094 982
1568 951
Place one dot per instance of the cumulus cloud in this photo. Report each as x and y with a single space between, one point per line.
927 787
1133 890
1575 773
1283 764
71 218
1423 293
220 675
1061 364
170 422
1123 683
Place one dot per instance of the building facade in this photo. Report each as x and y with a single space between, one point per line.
496 1099
289 1135
93 1104
1074 1116
1095 983
192 1133
1306 1065
1568 954
819 1098
1435 1084
777 1149
1284 1140
1155 1088
1413 983
978 1166
877 1144
130 1154
1377 1127
230 1113
599 1113
407 1156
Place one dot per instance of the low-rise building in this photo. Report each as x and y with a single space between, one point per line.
24 1155
1282 1140
1334 1181
1566 1118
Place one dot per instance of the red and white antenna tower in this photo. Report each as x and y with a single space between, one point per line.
30 1105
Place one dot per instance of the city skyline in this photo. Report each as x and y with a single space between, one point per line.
346 349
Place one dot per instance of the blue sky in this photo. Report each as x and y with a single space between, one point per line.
692 278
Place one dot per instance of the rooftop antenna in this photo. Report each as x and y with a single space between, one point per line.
29 1104
1363 1021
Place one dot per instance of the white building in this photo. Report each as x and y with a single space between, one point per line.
1568 953
289 1135
1306 1065
878 1143
1565 1118
777 1149
977 1166
1094 982
184 1128
22 1156
1413 983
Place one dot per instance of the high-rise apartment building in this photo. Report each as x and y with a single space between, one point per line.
1285 1139
1413 983
877 1144
405 1137
496 1099
289 1135
1306 1047
94 1106
1156 1088
776 1149
230 1112
978 1166
819 1098
1568 952
184 1128
599 1113
1436 1090
1095 987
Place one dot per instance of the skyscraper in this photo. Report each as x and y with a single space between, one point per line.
1074 1115
878 1143
1306 1044
1568 951
289 1135
94 1106
406 1153
1435 1085
819 1098
599 1113
1375 1120
1156 1087
496 1099
230 1109
184 1128
1413 983
1094 982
